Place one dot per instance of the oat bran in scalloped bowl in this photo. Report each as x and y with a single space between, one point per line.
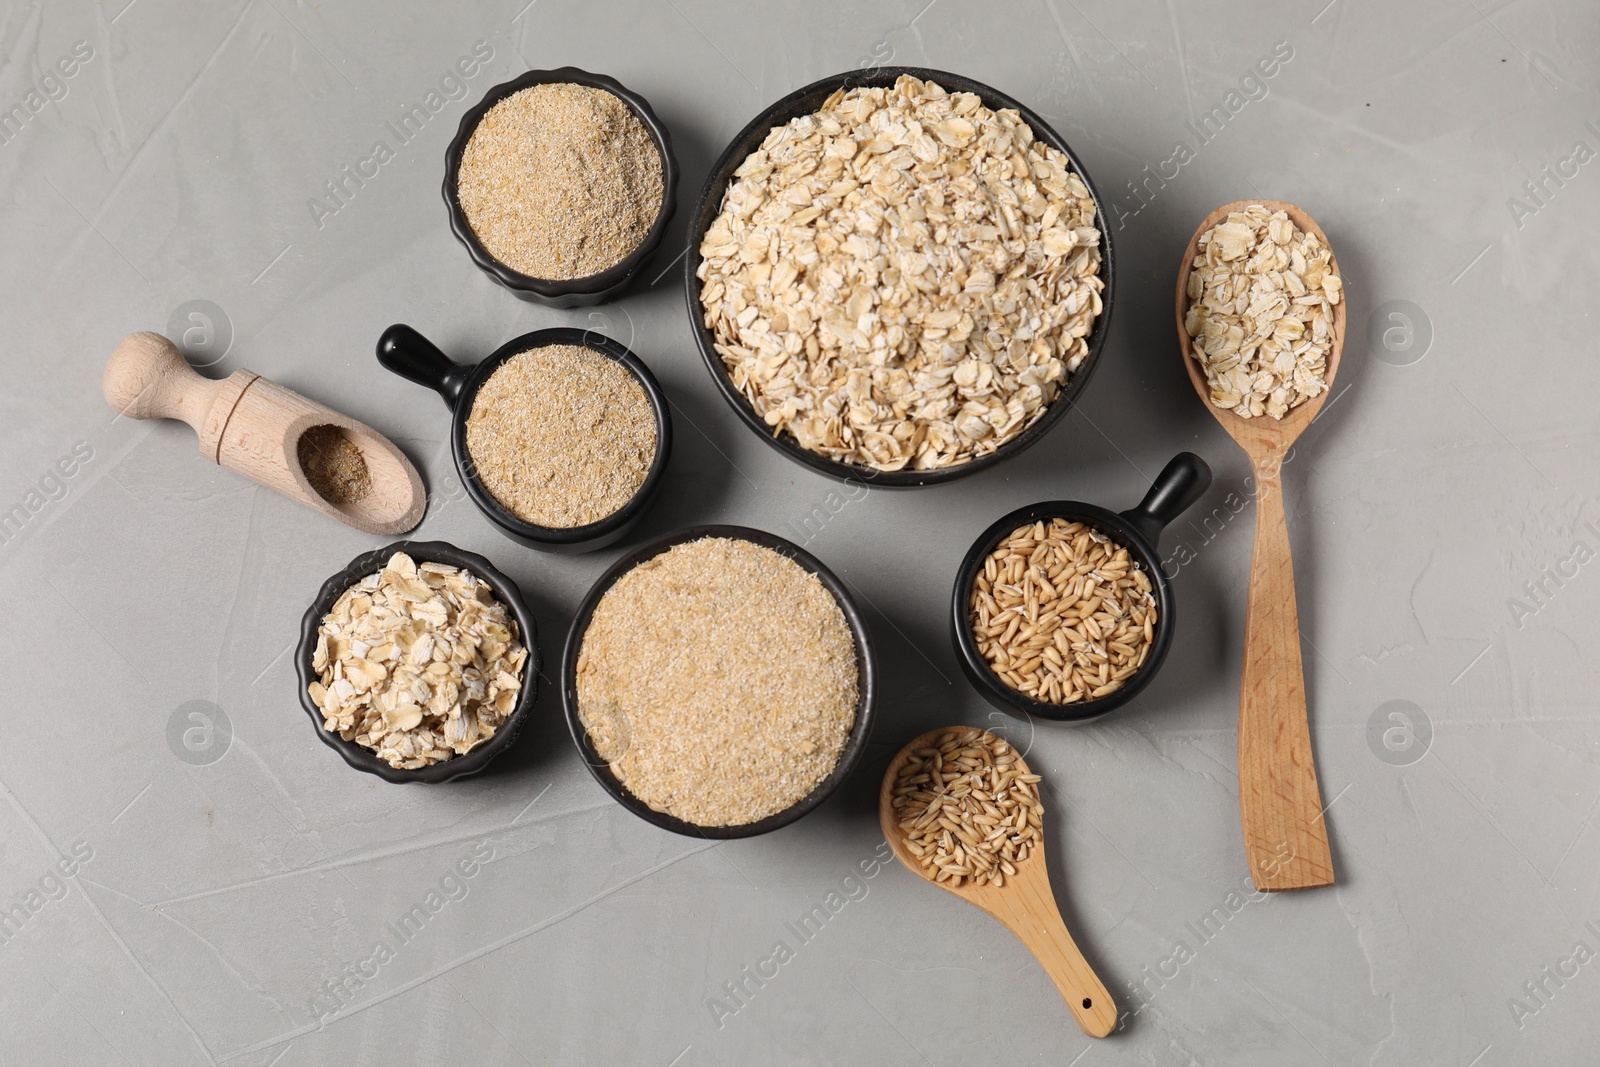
720 682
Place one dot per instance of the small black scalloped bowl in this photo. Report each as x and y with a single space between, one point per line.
804 102
1178 486
505 590
854 745
407 353
571 292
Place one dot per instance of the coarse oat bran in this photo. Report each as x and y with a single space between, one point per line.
904 279
560 181
719 680
333 464
561 436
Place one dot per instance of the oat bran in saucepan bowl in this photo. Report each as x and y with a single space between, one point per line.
561 436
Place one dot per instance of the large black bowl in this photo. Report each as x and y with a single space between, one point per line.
505 590
854 745
571 292
1179 485
804 102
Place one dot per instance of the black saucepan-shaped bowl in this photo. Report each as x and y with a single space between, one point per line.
505 590
412 356
1178 486
854 745
573 292
804 102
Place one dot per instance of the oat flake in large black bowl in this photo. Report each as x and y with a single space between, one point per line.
899 275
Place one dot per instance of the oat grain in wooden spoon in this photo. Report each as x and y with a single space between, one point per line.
1286 840
959 807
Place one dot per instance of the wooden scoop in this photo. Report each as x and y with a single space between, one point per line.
269 434
1024 905
1285 839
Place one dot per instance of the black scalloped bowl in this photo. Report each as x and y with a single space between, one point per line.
505 590
571 292
803 102
854 745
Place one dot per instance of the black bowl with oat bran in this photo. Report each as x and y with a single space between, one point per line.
503 590
719 682
1090 562
893 465
560 437
560 184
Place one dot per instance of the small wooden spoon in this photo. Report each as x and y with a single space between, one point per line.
1024 905
254 427
1285 838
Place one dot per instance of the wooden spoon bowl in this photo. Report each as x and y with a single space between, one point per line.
1024 905
1286 840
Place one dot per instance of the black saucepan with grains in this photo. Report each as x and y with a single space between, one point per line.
1061 609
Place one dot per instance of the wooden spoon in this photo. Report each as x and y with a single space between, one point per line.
1024 905
254 427
1285 838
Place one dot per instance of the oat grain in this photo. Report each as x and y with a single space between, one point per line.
969 811
1061 613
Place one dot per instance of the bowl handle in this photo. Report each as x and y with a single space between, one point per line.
414 357
1180 483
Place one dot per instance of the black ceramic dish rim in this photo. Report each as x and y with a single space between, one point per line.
496 512
505 590
807 100
571 291
1121 530
854 747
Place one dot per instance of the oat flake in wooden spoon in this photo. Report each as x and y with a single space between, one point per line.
972 761
1285 838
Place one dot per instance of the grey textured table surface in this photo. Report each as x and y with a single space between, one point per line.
217 897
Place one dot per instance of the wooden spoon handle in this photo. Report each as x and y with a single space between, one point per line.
1029 912
1285 839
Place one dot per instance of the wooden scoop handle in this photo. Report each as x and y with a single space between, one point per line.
1285 839
148 378
1026 907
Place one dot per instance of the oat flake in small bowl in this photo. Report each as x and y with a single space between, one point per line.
420 663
